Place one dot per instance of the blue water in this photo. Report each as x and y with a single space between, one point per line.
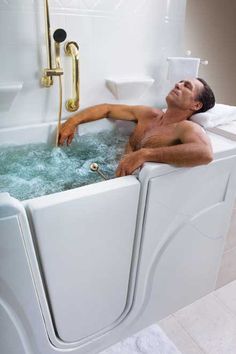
34 170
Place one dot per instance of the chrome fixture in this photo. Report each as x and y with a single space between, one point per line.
95 168
202 61
72 49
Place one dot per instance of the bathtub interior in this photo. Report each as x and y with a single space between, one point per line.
33 166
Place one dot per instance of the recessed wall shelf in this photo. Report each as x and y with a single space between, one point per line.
129 87
8 93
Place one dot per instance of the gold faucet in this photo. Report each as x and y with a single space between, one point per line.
49 72
72 49
59 36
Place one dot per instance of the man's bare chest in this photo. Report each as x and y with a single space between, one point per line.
153 135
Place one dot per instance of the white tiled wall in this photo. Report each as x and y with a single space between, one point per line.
117 38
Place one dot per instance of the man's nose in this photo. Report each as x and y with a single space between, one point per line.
177 85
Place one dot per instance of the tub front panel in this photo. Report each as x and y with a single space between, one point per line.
187 214
85 240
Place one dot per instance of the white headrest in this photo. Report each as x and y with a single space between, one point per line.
219 114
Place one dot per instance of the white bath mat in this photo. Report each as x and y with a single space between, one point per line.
151 340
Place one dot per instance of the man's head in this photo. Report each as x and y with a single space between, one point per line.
206 96
193 95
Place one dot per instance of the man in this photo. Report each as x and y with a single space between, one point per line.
158 137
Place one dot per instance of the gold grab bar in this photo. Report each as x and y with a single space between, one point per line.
72 49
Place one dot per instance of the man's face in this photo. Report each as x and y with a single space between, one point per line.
184 94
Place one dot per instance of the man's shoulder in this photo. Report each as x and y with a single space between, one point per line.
189 131
147 112
190 126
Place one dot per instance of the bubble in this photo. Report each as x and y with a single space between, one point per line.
34 170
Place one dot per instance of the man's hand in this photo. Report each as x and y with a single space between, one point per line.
67 132
130 163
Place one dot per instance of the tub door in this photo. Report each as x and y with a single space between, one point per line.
186 219
85 241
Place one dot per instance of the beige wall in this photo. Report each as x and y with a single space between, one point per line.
210 33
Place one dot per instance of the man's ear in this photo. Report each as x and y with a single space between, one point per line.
197 105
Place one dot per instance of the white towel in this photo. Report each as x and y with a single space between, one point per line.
151 340
181 68
218 115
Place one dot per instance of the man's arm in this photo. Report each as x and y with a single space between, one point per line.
90 114
115 111
195 149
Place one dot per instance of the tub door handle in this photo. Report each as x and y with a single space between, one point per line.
72 49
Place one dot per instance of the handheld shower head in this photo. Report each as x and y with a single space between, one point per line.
59 35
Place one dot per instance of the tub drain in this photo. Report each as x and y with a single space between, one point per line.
95 168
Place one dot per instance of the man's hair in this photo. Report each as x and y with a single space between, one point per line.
206 97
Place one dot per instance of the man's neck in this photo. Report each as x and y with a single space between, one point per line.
175 115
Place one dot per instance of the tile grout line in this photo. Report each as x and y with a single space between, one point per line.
224 305
188 334
230 249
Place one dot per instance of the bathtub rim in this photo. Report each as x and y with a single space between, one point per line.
46 132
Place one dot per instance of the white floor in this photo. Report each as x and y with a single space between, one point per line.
208 326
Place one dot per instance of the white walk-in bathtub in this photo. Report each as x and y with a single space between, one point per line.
82 269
